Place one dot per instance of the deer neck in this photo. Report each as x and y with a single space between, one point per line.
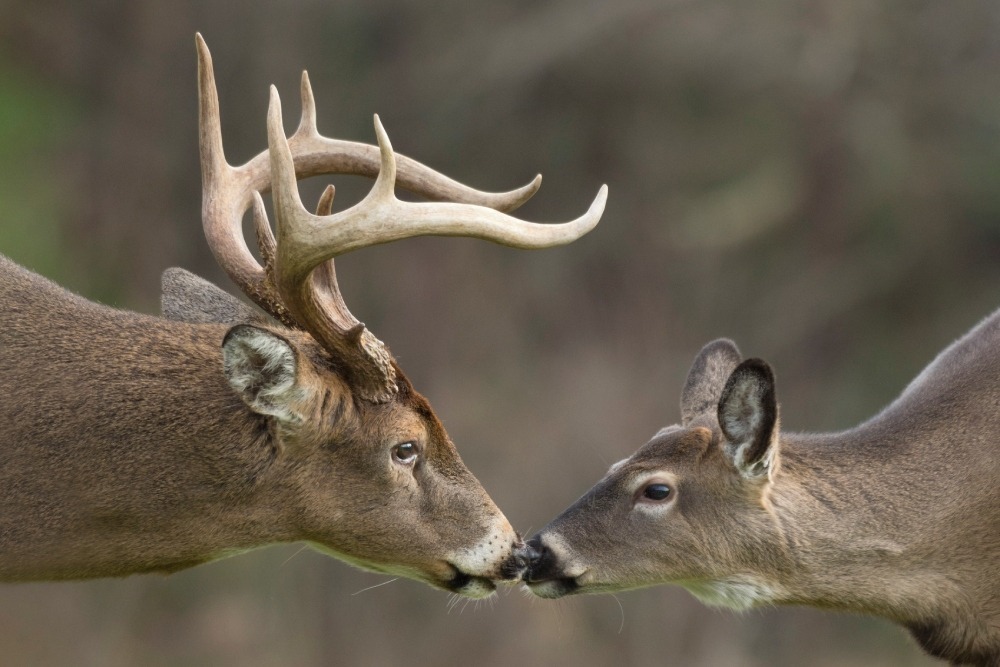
178 470
843 504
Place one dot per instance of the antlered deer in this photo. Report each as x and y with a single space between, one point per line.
137 444
898 517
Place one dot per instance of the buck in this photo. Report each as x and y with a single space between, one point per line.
143 444
898 517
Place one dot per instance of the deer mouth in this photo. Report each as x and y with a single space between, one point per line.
469 585
551 588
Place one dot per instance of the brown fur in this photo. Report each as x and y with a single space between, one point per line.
898 517
125 450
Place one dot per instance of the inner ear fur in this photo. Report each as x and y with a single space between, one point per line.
707 378
748 417
266 371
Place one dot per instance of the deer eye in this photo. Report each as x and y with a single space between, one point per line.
405 453
656 492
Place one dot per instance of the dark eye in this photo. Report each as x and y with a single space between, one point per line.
656 492
405 453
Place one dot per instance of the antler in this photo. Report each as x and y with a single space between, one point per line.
298 282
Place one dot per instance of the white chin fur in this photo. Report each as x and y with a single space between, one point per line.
477 589
549 590
486 558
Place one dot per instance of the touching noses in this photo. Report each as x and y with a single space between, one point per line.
518 561
536 561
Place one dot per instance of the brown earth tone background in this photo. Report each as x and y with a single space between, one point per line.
818 181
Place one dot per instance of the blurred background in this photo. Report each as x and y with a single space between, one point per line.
819 181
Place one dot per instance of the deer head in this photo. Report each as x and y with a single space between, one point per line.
689 507
371 472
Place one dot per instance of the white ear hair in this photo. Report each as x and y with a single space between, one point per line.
262 368
748 417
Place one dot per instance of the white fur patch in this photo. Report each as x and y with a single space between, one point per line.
486 558
739 592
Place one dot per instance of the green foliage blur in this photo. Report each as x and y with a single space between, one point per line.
34 121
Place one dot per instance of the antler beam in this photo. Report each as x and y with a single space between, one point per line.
298 283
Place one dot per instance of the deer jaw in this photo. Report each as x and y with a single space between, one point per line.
379 485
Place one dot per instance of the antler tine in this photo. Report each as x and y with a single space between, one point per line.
227 191
313 297
270 302
210 125
310 239
325 204
414 176
265 237
297 283
325 275
307 123
225 195
306 241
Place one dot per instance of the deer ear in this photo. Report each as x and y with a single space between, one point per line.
748 417
263 368
185 297
707 378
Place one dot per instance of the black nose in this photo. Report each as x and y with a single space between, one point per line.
530 553
540 561
519 561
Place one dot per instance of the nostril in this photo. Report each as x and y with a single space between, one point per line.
532 553
540 562
519 562
525 556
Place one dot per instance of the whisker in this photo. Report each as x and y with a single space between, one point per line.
301 549
383 583
622 609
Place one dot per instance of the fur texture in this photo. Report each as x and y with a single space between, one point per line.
141 444
898 517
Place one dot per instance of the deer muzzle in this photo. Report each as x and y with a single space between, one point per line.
544 573
496 558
